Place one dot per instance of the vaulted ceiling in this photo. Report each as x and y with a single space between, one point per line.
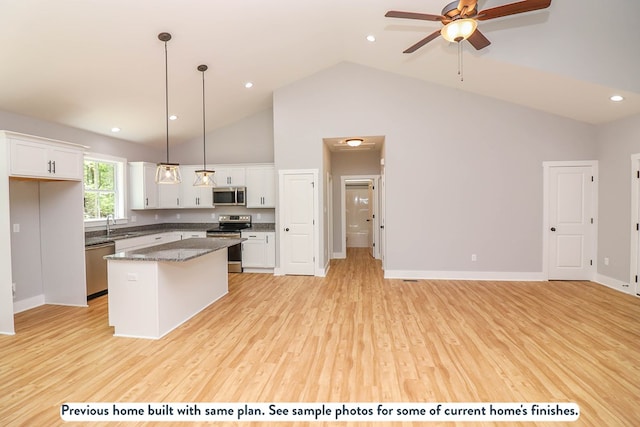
96 65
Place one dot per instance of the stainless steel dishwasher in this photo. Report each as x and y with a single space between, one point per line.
96 267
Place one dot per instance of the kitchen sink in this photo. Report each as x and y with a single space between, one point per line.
123 236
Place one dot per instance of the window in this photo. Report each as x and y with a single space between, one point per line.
103 187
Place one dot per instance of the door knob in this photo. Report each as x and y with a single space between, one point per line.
553 229
286 229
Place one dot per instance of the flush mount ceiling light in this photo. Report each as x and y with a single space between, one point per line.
458 30
204 177
167 173
617 98
354 142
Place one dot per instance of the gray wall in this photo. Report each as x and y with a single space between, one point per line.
616 143
469 167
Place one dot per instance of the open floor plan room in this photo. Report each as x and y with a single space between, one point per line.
349 337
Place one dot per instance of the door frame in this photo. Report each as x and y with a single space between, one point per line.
635 219
547 165
343 217
279 271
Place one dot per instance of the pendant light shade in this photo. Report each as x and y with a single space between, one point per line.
204 176
458 30
167 173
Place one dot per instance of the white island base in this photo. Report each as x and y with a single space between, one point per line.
148 299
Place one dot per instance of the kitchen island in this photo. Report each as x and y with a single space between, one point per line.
155 289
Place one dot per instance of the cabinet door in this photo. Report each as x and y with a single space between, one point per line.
261 187
253 253
194 197
229 176
143 190
270 249
29 159
66 163
169 196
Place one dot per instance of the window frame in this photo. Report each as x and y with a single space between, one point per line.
120 186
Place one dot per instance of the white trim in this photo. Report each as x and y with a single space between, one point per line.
545 211
28 303
257 270
612 283
339 255
122 181
465 275
635 215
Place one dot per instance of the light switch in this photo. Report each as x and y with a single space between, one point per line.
132 277
16 228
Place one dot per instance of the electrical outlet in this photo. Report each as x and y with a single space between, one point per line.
156 216
213 216
16 228
177 216
474 257
134 218
259 216
606 261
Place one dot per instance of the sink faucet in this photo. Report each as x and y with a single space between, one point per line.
113 220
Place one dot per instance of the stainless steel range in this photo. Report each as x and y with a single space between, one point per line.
230 227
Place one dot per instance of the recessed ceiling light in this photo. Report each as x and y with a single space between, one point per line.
173 117
371 38
616 98
115 129
248 85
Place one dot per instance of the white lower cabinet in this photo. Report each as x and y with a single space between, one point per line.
259 250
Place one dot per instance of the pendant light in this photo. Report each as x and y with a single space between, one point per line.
167 173
204 177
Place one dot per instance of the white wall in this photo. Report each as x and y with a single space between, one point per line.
467 168
616 143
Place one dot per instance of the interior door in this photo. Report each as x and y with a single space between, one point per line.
570 219
297 221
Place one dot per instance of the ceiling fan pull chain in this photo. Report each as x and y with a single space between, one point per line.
460 66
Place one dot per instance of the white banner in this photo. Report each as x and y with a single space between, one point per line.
324 412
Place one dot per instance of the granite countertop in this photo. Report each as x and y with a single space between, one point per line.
181 250
98 237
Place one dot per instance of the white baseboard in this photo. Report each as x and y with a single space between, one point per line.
257 270
28 303
616 284
466 275
339 255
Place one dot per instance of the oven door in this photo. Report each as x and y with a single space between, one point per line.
234 253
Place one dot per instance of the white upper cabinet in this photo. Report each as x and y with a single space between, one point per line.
229 176
194 197
36 157
143 190
261 187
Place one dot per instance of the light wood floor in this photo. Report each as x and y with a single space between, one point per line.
351 336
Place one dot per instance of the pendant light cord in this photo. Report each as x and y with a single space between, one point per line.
166 95
204 130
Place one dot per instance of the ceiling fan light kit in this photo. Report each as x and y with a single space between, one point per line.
459 30
167 173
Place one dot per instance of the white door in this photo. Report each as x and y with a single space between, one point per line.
297 223
570 221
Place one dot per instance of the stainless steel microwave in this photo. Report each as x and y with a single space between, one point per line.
230 196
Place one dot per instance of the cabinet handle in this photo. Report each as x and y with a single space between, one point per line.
267 238
54 166
49 164
146 201
158 238
178 201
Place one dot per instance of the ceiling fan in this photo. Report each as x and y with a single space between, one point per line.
460 20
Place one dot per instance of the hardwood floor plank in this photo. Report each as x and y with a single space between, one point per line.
351 336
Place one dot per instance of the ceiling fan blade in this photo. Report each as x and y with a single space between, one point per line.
413 15
478 40
512 9
423 42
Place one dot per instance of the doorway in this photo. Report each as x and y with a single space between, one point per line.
360 218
